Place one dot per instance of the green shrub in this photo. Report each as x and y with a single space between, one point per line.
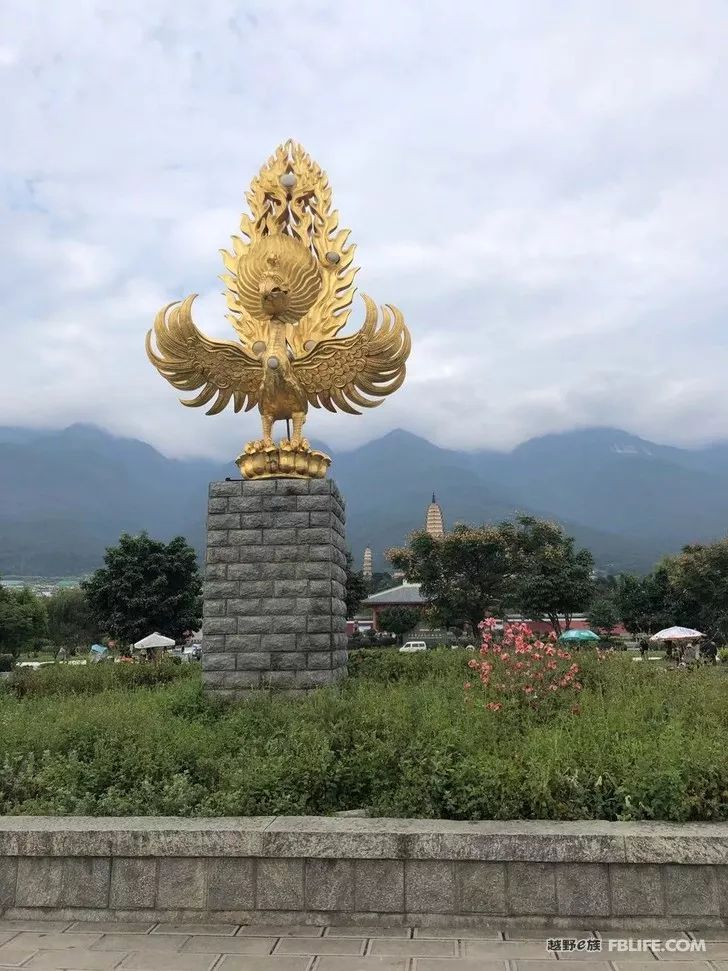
88 679
723 654
398 738
6 662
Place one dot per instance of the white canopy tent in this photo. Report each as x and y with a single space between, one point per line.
152 641
677 634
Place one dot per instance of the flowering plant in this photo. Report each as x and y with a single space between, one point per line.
515 664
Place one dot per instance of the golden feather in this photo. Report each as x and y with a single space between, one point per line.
189 360
338 373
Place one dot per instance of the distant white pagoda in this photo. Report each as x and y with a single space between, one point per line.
433 521
367 567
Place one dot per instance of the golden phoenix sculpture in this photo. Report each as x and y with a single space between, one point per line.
289 292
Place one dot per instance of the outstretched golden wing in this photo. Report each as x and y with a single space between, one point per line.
189 360
337 373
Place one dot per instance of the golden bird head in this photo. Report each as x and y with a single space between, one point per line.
279 277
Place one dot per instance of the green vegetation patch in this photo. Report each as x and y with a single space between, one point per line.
401 738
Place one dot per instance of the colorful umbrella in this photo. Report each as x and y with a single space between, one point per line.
677 634
579 635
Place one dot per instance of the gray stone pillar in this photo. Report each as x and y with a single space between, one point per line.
274 615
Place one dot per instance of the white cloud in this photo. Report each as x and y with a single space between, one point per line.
541 188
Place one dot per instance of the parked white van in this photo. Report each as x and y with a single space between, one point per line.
412 646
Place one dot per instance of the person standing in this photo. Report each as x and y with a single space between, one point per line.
62 656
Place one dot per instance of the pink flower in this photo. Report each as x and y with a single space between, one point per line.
494 706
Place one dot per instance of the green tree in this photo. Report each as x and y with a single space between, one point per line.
603 616
399 620
646 603
464 575
144 586
356 588
70 621
22 620
698 577
549 576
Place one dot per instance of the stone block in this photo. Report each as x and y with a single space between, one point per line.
252 625
279 884
531 888
220 589
133 883
281 503
245 537
217 506
212 679
317 588
221 554
636 890
86 881
220 662
279 679
226 489
291 520
379 886
313 503
288 554
243 642
291 588
253 661
430 887
288 661
217 537
254 588
314 606
244 606
721 875
8 880
287 624
481 887
315 535
181 883
278 605
339 659
216 571
690 890
318 625
40 882
278 642
318 660
320 519
230 884
219 625
582 889
244 571
213 643
278 537
313 569
241 679
314 679
330 885
214 608
245 504
227 520
314 642
292 487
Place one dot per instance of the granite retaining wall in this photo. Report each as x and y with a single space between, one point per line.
389 871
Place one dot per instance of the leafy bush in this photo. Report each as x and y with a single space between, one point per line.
6 662
723 654
91 679
398 738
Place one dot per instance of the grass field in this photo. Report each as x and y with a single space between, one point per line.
399 739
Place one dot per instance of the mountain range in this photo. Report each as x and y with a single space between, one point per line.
67 494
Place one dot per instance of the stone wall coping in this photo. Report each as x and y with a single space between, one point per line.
314 837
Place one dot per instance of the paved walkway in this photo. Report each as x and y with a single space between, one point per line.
107 946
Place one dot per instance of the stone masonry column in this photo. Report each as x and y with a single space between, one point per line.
274 615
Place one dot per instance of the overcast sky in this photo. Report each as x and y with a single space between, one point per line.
541 187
